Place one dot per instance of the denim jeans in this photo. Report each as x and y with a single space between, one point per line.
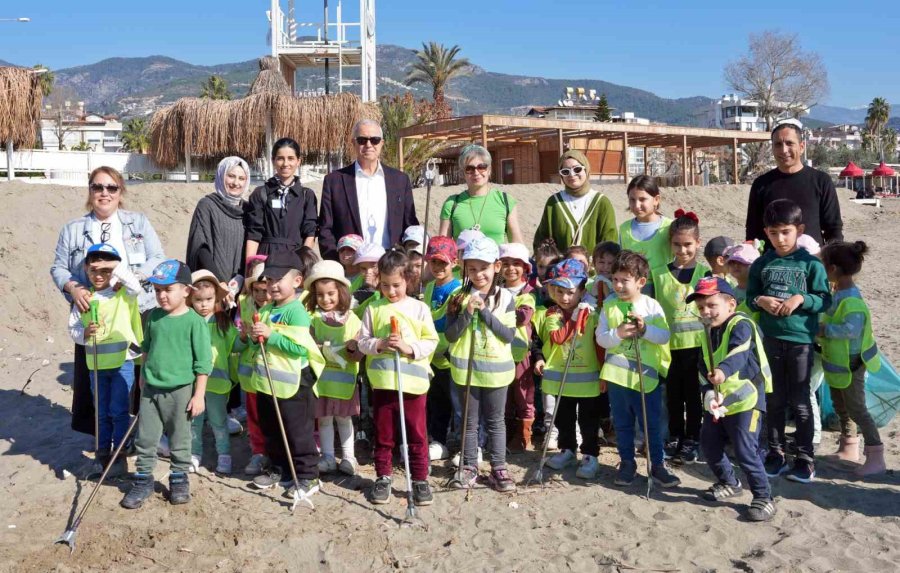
216 413
626 409
113 401
791 364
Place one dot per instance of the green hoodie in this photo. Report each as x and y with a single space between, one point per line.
782 277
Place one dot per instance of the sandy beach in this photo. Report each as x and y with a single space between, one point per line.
834 524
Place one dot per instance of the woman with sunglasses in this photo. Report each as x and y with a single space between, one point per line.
132 235
577 215
480 207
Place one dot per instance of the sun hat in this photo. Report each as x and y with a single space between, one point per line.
717 246
709 286
467 237
516 251
368 253
350 241
414 233
567 273
208 276
744 253
331 270
442 249
170 272
481 249
281 263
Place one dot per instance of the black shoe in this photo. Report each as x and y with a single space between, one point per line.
662 476
626 473
179 488
719 491
141 489
422 493
761 509
671 448
688 452
802 472
775 464
381 491
308 487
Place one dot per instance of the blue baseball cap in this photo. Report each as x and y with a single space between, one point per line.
709 286
171 272
102 249
568 273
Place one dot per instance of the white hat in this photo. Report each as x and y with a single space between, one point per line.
481 249
368 253
331 270
414 233
516 251
467 237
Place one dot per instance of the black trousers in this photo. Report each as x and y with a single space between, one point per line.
683 395
439 407
743 431
299 415
791 365
586 411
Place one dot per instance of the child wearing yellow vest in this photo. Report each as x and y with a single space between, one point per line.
736 377
672 284
294 362
117 337
546 254
483 344
646 234
629 318
848 352
206 299
568 330
333 326
415 344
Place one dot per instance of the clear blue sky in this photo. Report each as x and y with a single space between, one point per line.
671 48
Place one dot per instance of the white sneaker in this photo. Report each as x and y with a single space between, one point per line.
234 427
348 466
195 464
552 434
162 450
223 465
256 465
438 451
240 414
327 464
561 460
589 468
455 460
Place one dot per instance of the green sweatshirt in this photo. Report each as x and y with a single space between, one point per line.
557 222
292 313
178 348
783 277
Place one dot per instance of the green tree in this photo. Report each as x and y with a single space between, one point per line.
215 88
876 119
398 112
436 66
603 110
82 146
47 78
136 135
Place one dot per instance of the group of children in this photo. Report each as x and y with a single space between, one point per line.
712 350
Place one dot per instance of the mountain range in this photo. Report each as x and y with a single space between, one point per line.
138 86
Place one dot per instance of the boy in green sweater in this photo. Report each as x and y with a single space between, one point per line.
177 362
790 287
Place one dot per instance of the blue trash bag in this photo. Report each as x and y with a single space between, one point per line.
882 396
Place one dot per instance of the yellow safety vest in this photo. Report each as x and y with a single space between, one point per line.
740 394
336 382
247 357
361 309
439 358
522 340
656 249
381 369
285 370
119 328
836 351
583 378
683 318
620 365
492 363
538 318
220 381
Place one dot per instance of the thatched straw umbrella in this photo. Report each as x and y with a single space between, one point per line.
20 110
245 127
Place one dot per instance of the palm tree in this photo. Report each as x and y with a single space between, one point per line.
215 88
436 66
136 135
47 78
398 112
876 119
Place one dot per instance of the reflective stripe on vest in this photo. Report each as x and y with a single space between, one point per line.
482 365
583 378
572 377
439 358
336 382
110 347
623 361
119 317
741 395
836 351
492 362
380 369
683 319
620 364
219 381
521 341
286 371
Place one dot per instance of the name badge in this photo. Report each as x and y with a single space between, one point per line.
276 203
137 258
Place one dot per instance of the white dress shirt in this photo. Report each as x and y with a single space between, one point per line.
371 193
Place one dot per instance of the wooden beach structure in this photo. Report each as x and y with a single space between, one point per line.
20 110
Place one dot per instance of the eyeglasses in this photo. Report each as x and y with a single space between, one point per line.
373 140
104 232
481 167
111 188
566 171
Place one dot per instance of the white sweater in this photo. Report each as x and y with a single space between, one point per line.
645 307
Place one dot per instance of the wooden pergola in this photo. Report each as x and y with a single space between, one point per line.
510 130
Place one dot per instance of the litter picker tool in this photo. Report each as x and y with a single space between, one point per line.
457 477
412 516
69 536
95 319
636 342
711 366
298 497
538 475
430 174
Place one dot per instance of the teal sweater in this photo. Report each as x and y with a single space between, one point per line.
557 223
783 277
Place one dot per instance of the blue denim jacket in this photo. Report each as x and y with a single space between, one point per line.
143 252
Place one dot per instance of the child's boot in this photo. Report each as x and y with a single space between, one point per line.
179 488
514 441
874 462
848 450
141 489
526 434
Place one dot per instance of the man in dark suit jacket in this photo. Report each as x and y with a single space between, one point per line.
365 198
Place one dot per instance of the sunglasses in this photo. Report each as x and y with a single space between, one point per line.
566 171
481 167
111 188
364 140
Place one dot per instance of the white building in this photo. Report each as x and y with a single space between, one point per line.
836 136
737 113
78 128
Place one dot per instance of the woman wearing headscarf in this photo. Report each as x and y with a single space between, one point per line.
216 237
577 215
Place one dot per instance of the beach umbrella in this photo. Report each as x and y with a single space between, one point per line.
883 170
852 171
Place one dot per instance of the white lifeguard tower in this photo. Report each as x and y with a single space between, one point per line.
337 44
